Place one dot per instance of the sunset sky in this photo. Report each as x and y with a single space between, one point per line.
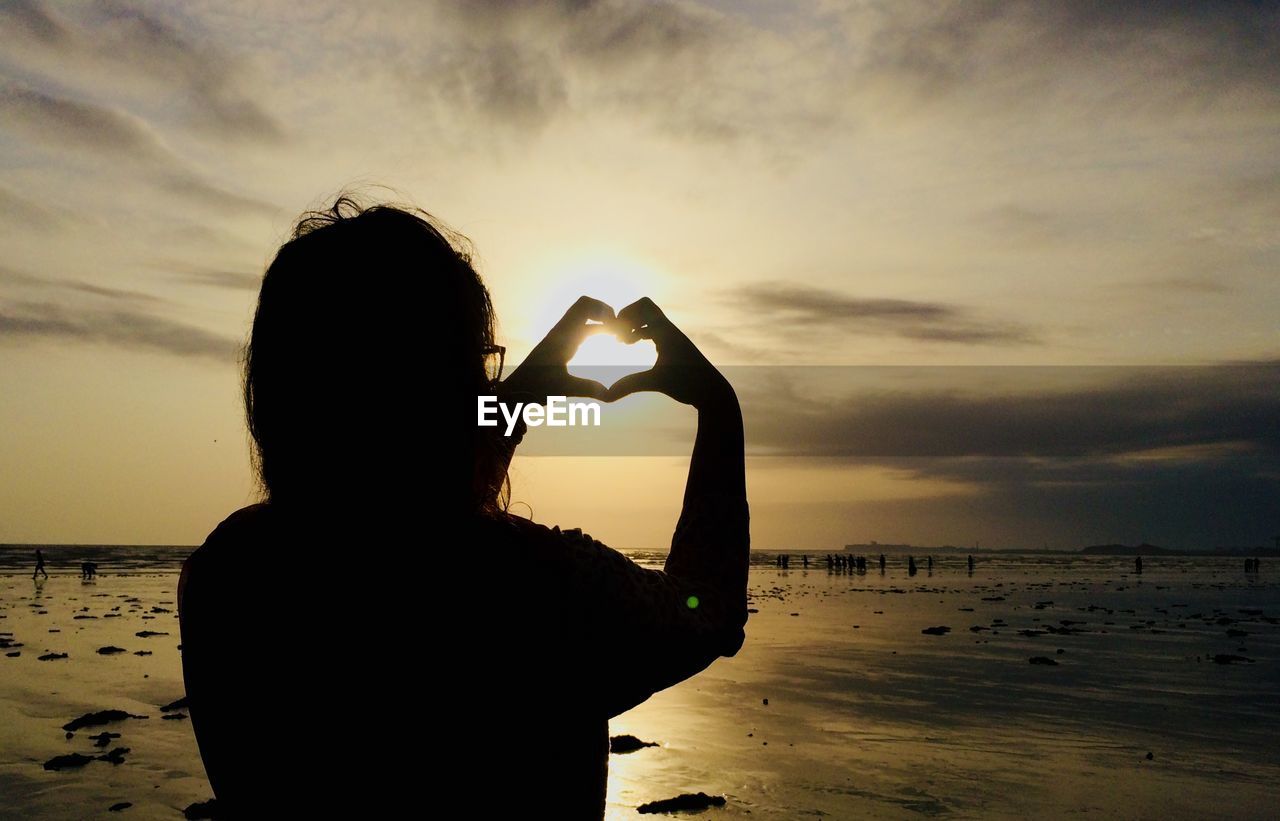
827 183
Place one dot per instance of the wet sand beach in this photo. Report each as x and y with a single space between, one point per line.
1042 686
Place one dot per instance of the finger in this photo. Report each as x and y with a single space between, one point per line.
594 328
574 326
578 386
587 316
568 340
631 337
585 309
634 383
642 312
620 328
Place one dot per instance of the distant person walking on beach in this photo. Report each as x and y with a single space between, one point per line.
88 570
971 563
911 566
1137 565
40 565
882 563
372 340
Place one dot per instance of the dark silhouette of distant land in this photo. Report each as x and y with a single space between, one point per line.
1143 549
878 547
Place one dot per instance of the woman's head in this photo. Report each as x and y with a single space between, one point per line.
368 349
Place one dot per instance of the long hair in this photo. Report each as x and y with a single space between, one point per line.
362 369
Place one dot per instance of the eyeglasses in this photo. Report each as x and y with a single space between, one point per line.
494 356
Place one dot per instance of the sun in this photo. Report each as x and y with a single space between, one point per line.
610 277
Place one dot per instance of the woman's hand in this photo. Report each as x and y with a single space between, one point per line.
681 371
545 371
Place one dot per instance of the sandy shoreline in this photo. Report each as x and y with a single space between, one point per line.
867 714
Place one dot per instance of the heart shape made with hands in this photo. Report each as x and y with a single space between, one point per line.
604 358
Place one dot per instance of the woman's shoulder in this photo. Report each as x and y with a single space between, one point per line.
246 516
239 527
541 541
243 524
518 527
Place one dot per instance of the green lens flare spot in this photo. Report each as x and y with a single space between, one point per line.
692 601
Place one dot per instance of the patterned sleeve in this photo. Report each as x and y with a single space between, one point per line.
645 629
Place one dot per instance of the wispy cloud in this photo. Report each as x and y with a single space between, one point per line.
209 276
31 19
80 124
25 280
687 71
126 39
1182 52
1190 284
787 306
107 133
84 312
118 327
503 83
22 212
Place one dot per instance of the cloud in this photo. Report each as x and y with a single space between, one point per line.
515 64
1203 505
19 211
1179 456
1230 500
1240 211
682 69
1182 52
110 293
789 78
502 82
791 306
80 124
118 327
32 20
98 130
114 316
1027 412
1190 284
123 39
1023 224
209 276
8 275
599 32
191 186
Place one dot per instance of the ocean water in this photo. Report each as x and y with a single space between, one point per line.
837 705
111 559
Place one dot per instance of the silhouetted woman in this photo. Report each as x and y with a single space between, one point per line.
313 687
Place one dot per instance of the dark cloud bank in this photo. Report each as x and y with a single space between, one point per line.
1187 457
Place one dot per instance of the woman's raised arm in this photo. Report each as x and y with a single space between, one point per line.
640 630
668 625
